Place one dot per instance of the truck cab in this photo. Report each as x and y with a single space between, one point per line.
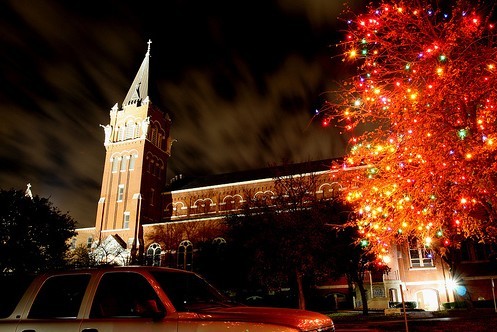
141 298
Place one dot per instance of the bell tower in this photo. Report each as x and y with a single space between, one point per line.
137 145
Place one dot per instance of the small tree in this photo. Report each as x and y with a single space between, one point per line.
33 233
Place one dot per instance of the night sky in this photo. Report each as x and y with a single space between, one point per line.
240 80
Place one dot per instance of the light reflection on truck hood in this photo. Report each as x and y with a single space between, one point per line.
304 320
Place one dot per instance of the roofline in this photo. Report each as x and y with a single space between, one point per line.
217 186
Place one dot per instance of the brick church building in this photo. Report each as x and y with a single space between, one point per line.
140 214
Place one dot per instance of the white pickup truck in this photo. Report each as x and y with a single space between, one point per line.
140 299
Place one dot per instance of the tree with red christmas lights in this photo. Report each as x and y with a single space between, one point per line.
423 109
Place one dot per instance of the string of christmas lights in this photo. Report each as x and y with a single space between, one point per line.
423 110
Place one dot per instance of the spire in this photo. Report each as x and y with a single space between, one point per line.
139 89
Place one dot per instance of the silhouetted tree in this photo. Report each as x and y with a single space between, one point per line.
352 259
33 233
284 237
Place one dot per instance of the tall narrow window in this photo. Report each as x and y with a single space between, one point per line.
150 167
115 164
123 163
132 160
126 219
130 130
152 196
120 193
120 133
185 255
159 141
89 242
153 254
159 171
153 137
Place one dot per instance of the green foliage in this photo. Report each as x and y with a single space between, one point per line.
33 233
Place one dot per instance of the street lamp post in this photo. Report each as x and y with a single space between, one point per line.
136 242
493 294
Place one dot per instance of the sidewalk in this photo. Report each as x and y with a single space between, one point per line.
464 320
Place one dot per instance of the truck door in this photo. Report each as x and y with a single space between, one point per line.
56 306
125 301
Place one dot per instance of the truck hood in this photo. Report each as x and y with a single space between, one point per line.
302 319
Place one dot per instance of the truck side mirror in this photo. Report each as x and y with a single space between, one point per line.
153 310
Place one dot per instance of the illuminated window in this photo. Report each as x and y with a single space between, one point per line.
120 133
115 164
420 256
120 193
130 130
123 164
132 162
153 254
126 220
185 255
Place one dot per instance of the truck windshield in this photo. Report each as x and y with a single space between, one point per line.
189 292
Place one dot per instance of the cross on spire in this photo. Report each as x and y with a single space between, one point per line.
28 192
149 42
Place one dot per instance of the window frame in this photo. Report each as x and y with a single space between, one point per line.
423 258
120 193
62 294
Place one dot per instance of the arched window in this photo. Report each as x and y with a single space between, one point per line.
130 130
150 167
231 203
265 197
153 135
185 255
123 163
120 133
152 196
219 244
153 254
115 164
132 161
157 170
179 209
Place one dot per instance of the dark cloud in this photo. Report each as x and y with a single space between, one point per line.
240 79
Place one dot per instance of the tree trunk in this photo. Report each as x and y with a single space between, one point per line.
300 287
364 297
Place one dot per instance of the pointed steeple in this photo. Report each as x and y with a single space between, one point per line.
139 89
